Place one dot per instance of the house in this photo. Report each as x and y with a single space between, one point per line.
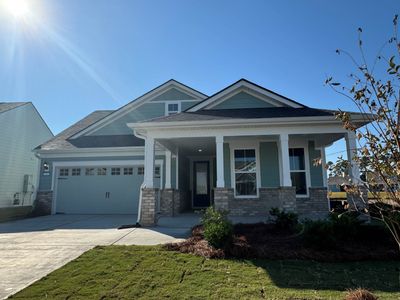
245 149
21 130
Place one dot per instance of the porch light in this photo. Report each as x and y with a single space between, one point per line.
200 150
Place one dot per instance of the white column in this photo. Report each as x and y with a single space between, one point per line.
323 163
285 164
351 147
219 141
168 169
149 162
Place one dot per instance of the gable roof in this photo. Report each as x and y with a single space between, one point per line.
6 106
60 141
139 101
251 86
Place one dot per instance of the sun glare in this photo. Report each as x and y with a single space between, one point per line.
18 8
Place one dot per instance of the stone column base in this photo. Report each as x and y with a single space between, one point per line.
43 203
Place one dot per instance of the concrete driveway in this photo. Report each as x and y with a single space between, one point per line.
32 248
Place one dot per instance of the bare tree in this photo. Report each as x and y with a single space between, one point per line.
377 96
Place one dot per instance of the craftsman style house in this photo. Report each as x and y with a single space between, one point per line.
245 149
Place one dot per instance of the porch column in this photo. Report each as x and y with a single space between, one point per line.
351 147
149 162
168 169
219 141
285 164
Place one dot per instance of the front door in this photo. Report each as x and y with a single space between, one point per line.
201 184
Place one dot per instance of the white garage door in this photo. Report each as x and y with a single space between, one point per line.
99 189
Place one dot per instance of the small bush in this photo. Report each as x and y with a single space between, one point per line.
359 294
287 221
346 225
319 234
218 230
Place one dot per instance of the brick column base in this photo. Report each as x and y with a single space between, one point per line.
148 208
287 198
222 197
316 206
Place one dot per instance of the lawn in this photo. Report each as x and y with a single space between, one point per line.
138 272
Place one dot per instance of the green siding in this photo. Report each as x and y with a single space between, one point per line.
242 100
173 94
144 112
315 171
269 161
227 165
186 105
173 172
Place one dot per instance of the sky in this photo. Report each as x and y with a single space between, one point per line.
72 57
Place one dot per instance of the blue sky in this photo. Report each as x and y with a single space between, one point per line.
75 56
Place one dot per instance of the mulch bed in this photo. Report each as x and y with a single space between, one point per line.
265 241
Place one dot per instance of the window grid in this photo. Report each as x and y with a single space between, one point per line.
128 171
89 171
115 171
101 171
76 172
298 170
140 171
244 172
64 172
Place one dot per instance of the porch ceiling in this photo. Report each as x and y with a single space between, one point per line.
190 146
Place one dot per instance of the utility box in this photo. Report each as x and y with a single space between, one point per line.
28 184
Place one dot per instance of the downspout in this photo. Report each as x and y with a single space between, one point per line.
142 186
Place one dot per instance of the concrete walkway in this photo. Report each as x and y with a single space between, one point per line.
32 248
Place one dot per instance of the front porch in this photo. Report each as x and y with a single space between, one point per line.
246 175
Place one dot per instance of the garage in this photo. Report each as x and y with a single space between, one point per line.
99 189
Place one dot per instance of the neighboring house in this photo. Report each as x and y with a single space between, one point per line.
245 149
21 130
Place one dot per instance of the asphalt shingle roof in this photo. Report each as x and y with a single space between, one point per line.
60 141
244 113
5 106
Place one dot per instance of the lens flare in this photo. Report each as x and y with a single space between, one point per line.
18 8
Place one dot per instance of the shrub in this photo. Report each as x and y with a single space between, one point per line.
218 230
285 220
359 294
345 225
319 234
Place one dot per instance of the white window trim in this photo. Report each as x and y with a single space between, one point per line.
245 145
304 145
173 102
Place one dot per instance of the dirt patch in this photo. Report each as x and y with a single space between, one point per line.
265 241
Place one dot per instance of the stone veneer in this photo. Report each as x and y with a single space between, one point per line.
43 203
281 197
172 202
148 208
314 207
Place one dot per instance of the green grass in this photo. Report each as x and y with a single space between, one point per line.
136 272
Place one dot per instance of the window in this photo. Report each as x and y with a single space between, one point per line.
157 172
89 171
76 172
173 108
115 171
101 171
140 171
64 172
128 171
298 170
245 172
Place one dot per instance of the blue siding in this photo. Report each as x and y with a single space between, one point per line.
173 94
269 164
315 171
144 112
242 100
227 165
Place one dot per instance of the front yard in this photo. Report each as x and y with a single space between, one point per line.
134 272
